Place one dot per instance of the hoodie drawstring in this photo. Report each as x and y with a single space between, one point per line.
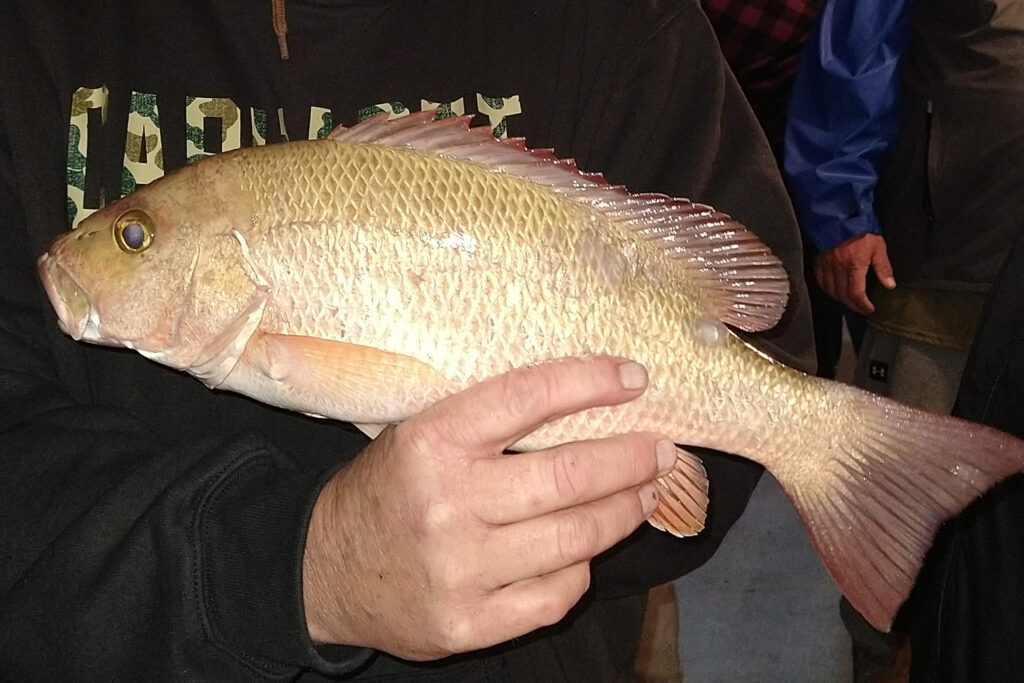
280 27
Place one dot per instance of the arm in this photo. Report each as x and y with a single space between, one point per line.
843 117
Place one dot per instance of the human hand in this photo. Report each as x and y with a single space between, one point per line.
842 271
433 542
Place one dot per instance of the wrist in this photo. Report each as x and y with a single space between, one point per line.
316 564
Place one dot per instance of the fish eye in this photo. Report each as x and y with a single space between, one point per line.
133 232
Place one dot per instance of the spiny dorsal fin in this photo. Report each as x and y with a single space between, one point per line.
747 285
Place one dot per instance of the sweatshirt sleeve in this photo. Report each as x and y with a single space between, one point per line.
843 116
123 557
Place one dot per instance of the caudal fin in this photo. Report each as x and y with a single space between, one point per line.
873 508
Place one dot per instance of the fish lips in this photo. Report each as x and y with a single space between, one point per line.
75 314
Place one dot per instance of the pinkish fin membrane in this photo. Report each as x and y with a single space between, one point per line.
746 285
873 516
335 376
682 497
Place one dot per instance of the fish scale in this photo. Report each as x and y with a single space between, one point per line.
332 253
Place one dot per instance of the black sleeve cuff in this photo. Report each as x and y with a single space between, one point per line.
250 535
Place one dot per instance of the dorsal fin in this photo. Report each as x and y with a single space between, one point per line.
746 284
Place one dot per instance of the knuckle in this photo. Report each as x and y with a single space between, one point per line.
452 578
461 634
455 631
641 451
437 517
625 515
631 514
635 457
567 474
449 578
553 607
526 392
415 437
577 534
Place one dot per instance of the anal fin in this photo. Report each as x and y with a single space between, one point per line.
683 497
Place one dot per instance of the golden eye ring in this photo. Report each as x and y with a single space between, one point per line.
133 232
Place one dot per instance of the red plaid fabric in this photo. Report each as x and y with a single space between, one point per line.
761 39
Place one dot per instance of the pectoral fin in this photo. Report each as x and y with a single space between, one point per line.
222 353
339 380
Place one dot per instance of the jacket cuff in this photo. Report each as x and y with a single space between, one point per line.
250 536
827 233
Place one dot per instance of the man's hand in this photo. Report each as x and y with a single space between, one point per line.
433 542
842 272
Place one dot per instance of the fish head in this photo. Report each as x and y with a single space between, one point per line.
127 275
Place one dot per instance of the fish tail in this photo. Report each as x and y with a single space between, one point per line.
873 507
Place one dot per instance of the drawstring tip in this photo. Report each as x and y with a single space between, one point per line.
280 27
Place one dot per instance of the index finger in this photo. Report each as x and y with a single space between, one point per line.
883 268
501 410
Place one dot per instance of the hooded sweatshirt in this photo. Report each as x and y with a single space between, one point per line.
151 529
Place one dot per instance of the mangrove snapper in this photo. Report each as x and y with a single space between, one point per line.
365 276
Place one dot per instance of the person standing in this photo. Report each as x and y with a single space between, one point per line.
905 153
154 530
904 156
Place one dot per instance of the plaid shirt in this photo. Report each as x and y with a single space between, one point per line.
761 40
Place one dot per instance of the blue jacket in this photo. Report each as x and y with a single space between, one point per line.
843 116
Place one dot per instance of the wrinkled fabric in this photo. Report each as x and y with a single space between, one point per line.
966 615
907 120
843 116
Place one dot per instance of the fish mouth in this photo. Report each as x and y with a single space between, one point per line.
75 314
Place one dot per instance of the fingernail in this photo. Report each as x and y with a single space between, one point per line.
632 375
648 499
666 452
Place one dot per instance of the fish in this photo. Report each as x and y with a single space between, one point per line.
365 276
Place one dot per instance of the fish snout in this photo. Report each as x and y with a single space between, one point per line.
71 304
